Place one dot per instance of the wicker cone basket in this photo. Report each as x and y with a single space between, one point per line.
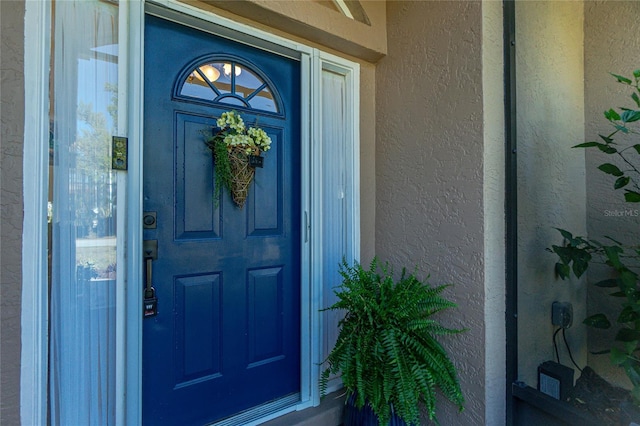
242 174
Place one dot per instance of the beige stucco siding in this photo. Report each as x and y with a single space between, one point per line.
617 52
12 116
551 175
429 169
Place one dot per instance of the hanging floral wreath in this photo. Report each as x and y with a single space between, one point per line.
236 150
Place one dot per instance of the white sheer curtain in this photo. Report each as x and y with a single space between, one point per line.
334 184
82 196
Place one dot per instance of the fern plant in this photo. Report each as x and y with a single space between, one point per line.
386 350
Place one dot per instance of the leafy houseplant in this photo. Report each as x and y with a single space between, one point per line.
232 146
578 253
386 350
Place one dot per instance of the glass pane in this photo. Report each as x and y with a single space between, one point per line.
229 78
223 82
561 187
82 200
334 213
232 101
197 86
246 82
264 101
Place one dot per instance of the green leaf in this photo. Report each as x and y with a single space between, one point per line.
617 356
612 253
629 116
628 315
597 321
637 147
627 335
635 97
621 182
607 139
628 280
580 265
632 197
623 129
587 145
563 270
564 253
610 169
636 73
618 294
621 79
611 115
565 234
607 283
630 347
614 240
607 149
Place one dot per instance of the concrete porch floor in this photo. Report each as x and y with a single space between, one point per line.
328 413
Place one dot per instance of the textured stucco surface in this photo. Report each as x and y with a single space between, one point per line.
551 175
367 162
429 170
617 52
12 124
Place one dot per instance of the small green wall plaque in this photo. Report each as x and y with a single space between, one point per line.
119 147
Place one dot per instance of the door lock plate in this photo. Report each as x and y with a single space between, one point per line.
150 249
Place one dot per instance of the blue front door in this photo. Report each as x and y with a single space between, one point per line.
227 334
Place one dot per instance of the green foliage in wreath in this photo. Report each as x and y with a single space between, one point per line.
233 134
386 350
222 171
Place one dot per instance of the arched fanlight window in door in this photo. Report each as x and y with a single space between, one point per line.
227 82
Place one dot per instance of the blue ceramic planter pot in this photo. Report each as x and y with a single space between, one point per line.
354 416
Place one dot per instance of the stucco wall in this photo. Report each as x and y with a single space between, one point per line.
429 170
617 52
551 175
12 119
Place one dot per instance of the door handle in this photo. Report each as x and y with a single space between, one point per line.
150 302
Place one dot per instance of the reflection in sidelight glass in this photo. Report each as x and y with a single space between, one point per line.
82 208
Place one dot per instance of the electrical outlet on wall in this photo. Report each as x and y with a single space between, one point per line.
562 314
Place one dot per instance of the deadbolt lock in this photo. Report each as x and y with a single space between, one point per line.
149 220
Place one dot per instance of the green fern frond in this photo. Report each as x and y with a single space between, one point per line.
386 349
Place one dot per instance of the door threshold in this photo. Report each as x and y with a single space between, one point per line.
328 413
259 414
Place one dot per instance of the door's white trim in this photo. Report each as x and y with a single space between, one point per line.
34 358
135 114
236 27
306 302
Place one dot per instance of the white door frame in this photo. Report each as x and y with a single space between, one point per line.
129 319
